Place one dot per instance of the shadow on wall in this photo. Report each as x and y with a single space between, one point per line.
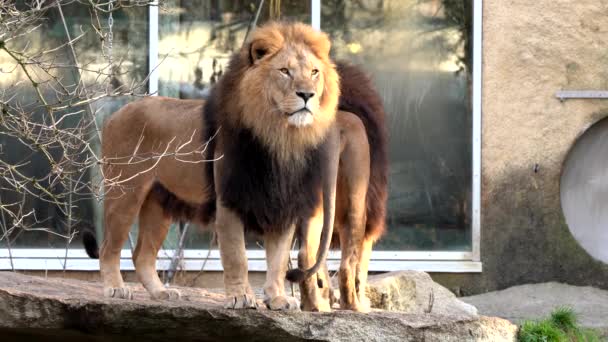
525 238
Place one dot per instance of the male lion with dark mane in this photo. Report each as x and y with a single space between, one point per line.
276 137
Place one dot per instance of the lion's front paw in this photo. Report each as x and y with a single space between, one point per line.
355 305
334 297
365 304
118 292
321 305
244 301
166 294
284 303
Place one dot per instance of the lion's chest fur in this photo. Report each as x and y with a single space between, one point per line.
267 194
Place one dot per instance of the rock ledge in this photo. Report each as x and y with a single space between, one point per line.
71 309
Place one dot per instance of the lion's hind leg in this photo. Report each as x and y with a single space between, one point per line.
353 185
362 269
350 243
154 224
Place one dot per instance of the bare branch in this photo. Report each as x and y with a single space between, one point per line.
54 94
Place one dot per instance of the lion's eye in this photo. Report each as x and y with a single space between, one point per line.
284 71
315 72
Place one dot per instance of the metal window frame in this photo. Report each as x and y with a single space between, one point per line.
153 48
36 259
477 113
429 261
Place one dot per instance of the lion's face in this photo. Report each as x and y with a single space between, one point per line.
289 90
294 85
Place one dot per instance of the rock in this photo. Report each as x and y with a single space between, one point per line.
415 292
73 310
536 301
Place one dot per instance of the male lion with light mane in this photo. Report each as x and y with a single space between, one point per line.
271 128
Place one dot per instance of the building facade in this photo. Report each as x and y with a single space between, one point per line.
478 138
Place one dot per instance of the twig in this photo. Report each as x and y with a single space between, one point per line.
69 224
212 242
178 254
80 80
431 302
290 266
8 238
254 22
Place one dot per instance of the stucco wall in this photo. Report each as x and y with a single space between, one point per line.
530 50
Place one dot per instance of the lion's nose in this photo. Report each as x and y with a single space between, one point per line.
305 95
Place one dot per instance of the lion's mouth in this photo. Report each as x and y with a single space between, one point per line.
300 118
302 110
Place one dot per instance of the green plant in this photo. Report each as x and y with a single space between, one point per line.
545 331
560 326
564 318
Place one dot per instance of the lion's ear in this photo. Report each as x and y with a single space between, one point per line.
264 43
257 50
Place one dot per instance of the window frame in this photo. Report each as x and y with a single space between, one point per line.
381 261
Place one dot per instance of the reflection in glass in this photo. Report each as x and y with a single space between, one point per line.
198 37
419 54
48 42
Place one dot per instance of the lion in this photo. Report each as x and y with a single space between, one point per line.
361 193
270 155
271 133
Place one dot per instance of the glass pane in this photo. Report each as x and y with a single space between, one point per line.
49 193
418 52
197 37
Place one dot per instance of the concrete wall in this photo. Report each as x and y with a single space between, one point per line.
530 50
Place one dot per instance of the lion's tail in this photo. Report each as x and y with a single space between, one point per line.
298 275
90 243
330 173
358 96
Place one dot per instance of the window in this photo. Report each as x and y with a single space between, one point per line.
424 57
419 54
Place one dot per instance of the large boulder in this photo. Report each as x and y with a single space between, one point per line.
73 310
415 292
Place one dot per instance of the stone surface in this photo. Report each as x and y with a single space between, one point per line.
534 301
414 292
71 310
